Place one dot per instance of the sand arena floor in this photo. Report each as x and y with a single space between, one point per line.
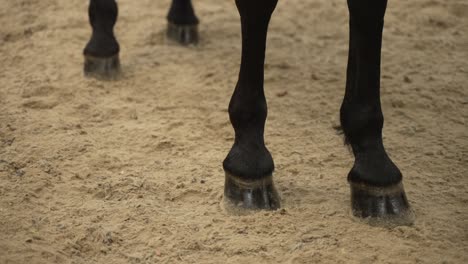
130 171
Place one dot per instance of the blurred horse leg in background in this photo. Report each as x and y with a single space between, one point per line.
182 25
102 51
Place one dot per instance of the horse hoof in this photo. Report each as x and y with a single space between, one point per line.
243 196
102 68
183 34
381 206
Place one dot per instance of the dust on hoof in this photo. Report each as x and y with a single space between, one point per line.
183 34
381 206
244 196
102 68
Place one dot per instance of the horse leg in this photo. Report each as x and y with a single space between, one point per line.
376 183
249 165
102 51
182 24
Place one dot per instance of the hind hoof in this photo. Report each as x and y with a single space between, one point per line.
183 34
243 196
102 68
381 206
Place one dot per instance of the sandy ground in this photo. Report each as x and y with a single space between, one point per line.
130 171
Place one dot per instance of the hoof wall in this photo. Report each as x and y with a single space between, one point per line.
381 206
102 68
243 196
183 34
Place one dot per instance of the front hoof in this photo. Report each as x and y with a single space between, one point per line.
183 34
243 196
102 68
381 206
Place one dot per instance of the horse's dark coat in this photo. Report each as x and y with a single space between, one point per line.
375 180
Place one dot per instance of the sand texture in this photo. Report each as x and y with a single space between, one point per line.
130 171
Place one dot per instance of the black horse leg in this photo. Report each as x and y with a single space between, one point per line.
102 51
376 182
182 22
249 165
